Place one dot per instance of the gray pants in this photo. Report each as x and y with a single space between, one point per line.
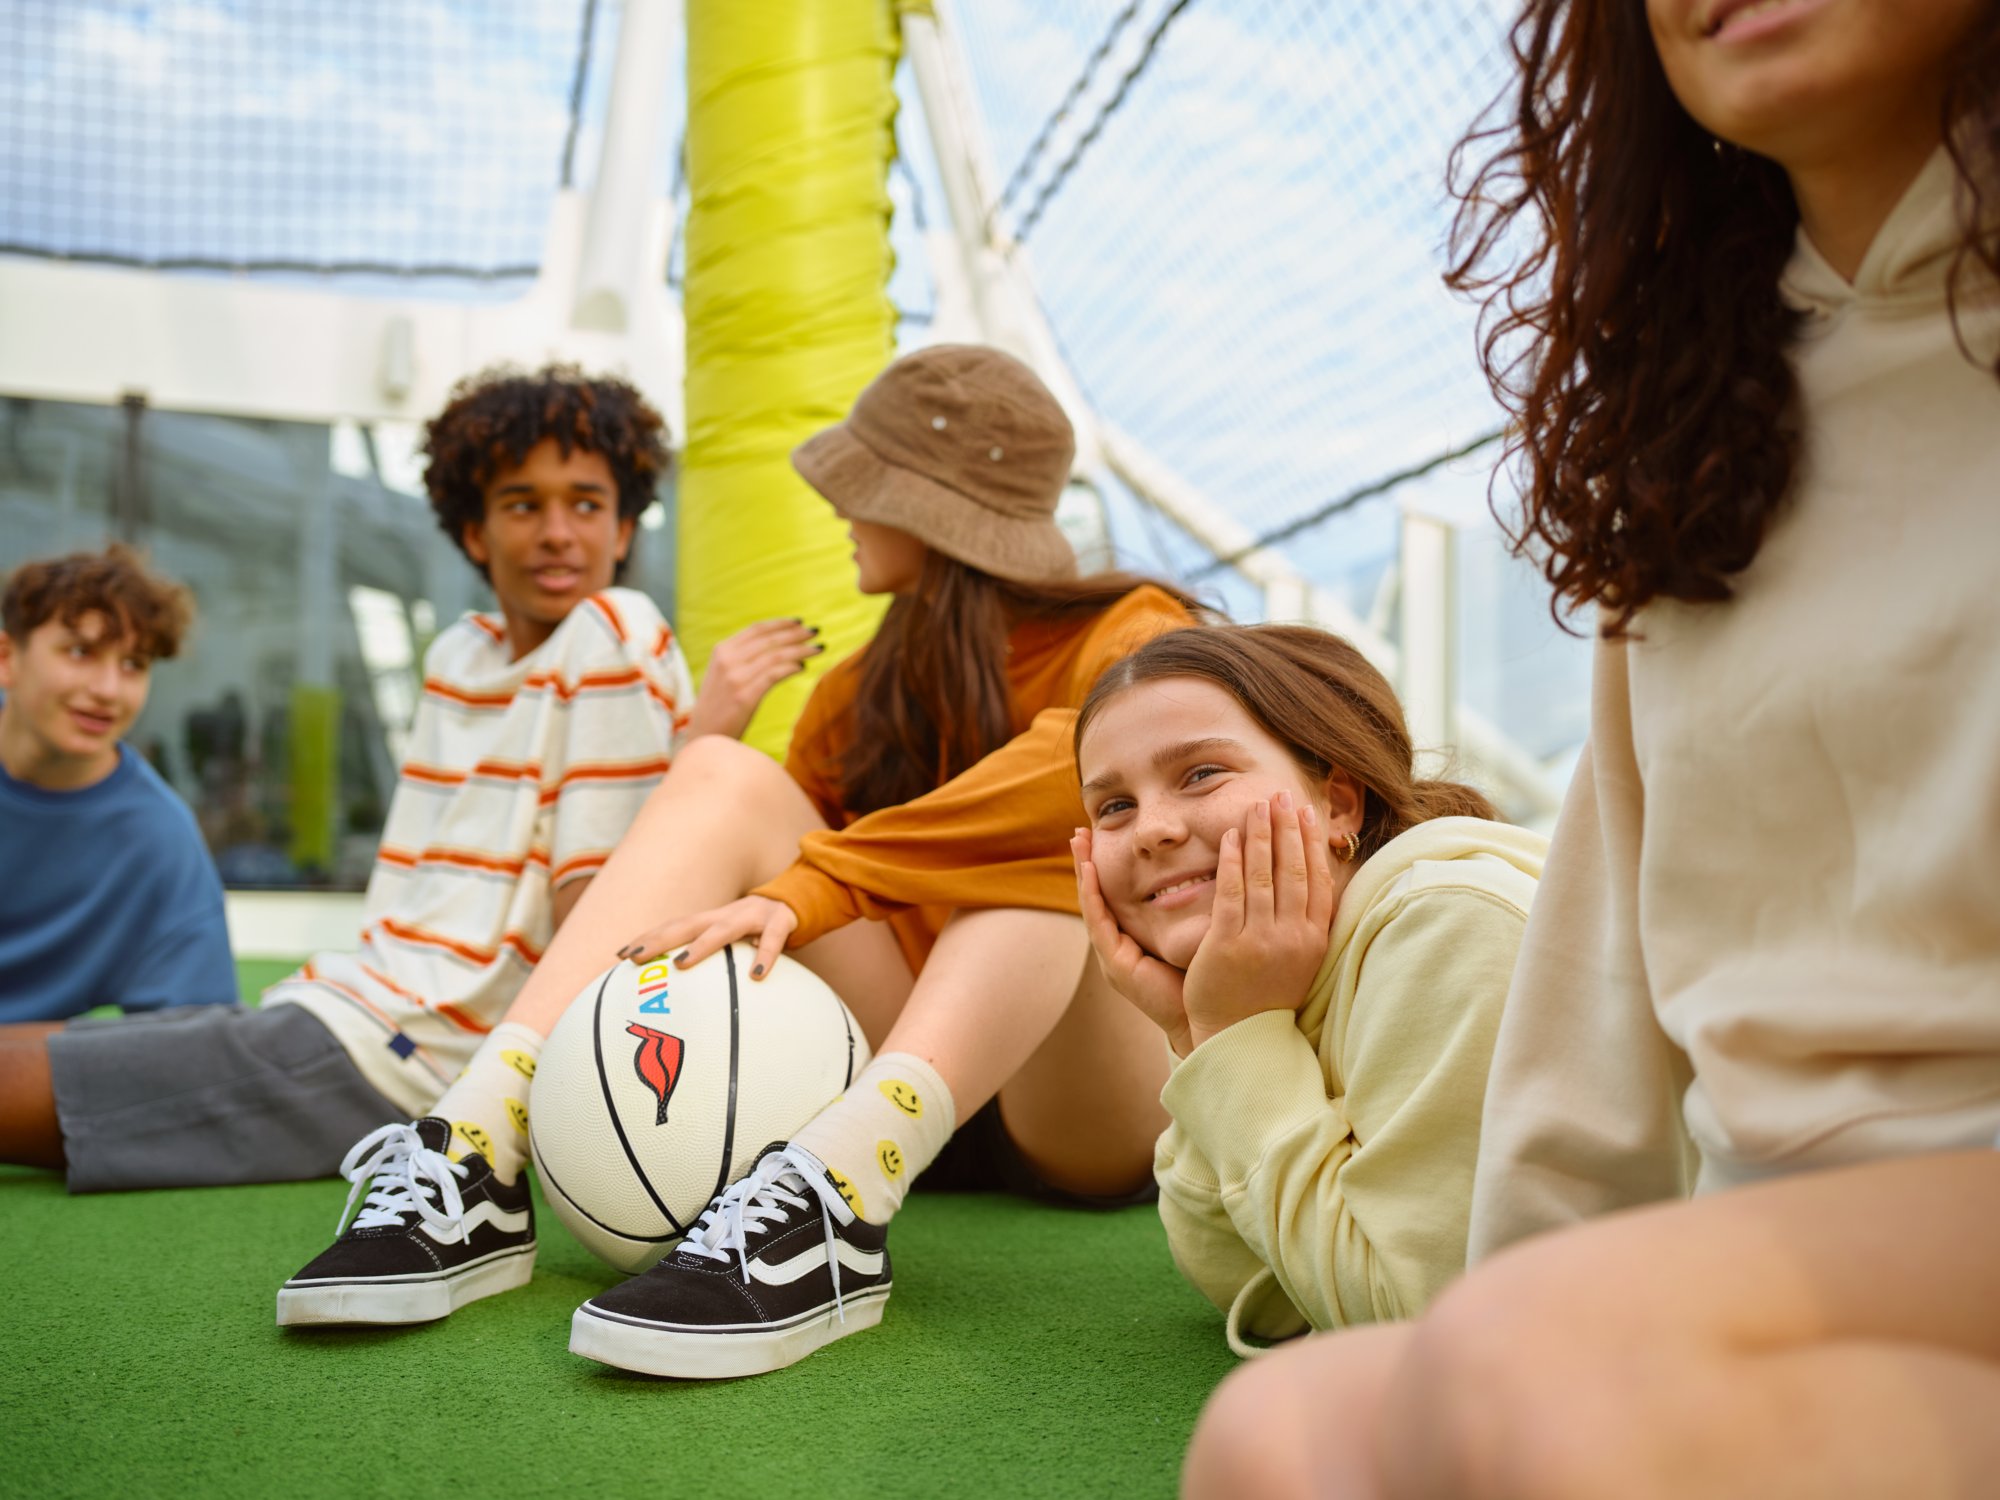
207 1096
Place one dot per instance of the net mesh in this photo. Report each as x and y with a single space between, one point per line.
1242 254
422 138
1234 211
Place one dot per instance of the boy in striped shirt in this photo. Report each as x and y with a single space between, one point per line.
540 730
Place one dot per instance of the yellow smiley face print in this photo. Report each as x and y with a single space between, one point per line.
475 1139
846 1190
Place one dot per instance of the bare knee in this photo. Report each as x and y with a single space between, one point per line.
717 757
1253 1438
1517 1385
1302 1420
743 799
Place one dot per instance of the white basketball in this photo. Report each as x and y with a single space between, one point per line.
660 1085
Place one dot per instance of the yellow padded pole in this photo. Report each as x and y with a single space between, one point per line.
790 134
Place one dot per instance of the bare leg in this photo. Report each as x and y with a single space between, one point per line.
1085 1109
1007 1004
724 820
1835 1334
1265 1430
1004 993
29 1133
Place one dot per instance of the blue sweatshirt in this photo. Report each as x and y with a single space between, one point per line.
107 897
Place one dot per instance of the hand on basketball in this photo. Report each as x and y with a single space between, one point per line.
1149 983
1268 930
769 922
746 666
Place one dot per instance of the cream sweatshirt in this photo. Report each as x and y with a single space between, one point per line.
1318 1169
1769 939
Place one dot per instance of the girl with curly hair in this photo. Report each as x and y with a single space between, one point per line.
1740 257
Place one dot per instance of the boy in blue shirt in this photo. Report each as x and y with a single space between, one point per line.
540 478
108 896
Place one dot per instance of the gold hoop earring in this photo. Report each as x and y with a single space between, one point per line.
1353 850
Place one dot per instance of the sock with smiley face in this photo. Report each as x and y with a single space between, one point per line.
488 1105
891 1123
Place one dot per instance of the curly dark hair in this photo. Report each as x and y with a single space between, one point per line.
1628 263
154 612
494 417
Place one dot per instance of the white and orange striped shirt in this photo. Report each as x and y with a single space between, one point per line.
520 777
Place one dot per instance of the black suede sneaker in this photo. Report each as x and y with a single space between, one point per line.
777 1266
432 1235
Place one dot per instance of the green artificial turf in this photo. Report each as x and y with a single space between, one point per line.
255 975
1027 1351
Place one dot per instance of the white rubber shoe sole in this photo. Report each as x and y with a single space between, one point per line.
408 1299
690 1353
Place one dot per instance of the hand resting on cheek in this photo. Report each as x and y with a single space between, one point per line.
1272 915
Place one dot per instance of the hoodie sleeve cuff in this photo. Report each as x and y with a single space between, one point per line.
1245 1088
818 900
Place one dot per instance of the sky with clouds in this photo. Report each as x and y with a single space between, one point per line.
1243 268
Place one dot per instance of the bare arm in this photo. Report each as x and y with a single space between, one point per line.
29 1134
563 902
746 666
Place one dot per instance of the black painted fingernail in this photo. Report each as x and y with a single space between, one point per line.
812 630
756 971
682 956
628 951
816 650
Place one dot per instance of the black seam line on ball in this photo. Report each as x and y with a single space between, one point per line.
847 1022
549 1178
735 1045
604 1087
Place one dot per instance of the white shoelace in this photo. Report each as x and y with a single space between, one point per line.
407 1175
765 1197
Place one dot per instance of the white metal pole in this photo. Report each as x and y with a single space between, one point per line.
1288 594
1000 281
1010 315
1429 614
624 200
965 200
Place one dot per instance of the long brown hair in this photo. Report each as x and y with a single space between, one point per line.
1320 698
1628 263
933 697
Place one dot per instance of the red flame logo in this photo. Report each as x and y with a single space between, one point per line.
658 1064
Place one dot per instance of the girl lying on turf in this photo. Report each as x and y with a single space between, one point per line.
1751 348
927 789
1325 939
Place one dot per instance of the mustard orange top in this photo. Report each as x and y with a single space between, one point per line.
996 835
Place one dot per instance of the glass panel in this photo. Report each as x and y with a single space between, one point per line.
318 583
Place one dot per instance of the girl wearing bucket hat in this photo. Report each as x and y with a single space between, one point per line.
929 789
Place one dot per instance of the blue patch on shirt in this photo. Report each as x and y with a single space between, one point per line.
401 1045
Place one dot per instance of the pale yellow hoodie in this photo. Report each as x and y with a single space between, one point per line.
1769 939
1318 1170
